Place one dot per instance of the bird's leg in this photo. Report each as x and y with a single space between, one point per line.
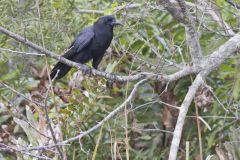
85 69
89 72
96 62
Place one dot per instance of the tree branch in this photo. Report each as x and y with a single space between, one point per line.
182 15
191 34
117 9
182 115
49 124
173 10
233 3
152 76
9 148
208 65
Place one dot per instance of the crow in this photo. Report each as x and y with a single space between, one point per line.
90 43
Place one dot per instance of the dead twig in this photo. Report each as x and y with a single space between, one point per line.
9 148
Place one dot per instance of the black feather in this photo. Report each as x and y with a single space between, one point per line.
90 43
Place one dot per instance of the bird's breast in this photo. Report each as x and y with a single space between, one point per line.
102 41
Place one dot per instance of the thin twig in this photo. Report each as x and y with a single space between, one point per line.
27 53
9 148
156 130
46 147
20 94
117 9
49 124
48 89
199 133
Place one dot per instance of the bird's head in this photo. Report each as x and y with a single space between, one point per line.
108 21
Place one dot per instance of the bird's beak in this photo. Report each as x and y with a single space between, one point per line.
115 23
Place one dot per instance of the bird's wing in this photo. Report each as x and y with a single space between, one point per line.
82 40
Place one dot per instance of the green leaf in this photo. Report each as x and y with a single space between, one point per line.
57 4
30 117
111 66
10 76
28 130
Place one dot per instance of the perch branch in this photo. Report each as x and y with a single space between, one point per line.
156 77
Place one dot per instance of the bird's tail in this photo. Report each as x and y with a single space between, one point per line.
59 70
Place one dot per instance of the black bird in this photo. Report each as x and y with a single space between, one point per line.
90 43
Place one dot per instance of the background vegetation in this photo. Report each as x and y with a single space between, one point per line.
150 41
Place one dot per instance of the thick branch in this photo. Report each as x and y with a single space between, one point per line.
173 10
224 52
208 65
233 3
182 115
191 34
181 15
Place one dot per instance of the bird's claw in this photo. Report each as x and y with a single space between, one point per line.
88 71
111 81
114 78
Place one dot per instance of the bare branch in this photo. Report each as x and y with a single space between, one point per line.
34 54
182 115
156 130
89 11
168 78
233 3
212 10
47 147
117 9
191 34
173 10
202 6
20 94
211 63
9 148
224 52
49 123
182 16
